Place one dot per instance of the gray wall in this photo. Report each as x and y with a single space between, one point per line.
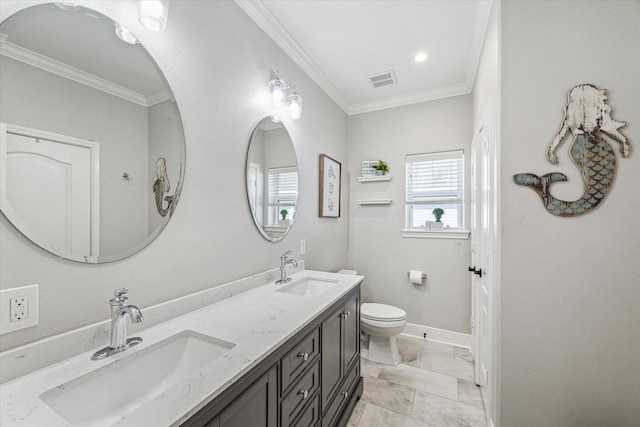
570 294
217 62
376 247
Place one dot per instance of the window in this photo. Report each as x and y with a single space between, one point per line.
283 193
435 180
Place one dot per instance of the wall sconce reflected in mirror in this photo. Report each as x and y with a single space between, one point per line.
161 185
279 88
153 14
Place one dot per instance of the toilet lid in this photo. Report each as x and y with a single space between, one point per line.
381 312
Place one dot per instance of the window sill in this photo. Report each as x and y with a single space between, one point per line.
436 234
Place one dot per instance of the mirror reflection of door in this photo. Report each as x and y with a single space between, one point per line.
254 187
50 188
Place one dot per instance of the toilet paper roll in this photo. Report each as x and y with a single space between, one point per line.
415 276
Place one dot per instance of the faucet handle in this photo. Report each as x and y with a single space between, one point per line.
119 298
284 254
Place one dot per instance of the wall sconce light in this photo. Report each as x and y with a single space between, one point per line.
279 89
153 14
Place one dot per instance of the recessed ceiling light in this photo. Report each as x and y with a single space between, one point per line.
420 57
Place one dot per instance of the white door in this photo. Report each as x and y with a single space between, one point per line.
482 229
48 190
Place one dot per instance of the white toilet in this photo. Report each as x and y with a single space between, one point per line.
382 323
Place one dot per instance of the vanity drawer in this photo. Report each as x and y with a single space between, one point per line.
297 360
335 408
311 414
300 394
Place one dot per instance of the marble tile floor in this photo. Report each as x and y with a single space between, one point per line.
431 387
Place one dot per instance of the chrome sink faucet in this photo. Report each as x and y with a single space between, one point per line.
284 260
119 314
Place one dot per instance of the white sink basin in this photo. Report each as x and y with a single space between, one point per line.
308 286
109 393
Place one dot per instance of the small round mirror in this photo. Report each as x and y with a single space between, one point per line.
272 179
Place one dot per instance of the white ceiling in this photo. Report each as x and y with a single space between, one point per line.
340 43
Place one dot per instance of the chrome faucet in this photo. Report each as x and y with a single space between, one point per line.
119 314
284 260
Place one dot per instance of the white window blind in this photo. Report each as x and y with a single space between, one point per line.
283 193
283 186
435 180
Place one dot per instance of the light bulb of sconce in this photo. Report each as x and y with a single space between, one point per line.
278 87
295 106
153 14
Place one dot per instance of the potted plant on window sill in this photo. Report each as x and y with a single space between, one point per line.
381 167
437 213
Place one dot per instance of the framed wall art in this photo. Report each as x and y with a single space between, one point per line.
367 167
330 179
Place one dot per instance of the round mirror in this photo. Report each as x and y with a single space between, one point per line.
91 142
272 179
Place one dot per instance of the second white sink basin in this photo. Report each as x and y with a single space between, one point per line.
109 393
308 286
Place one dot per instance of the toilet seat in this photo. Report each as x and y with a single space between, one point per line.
382 313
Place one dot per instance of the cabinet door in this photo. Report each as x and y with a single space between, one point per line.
256 406
351 321
332 355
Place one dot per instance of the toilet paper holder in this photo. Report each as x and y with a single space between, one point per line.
424 275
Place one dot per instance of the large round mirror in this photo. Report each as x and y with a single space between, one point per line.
272 179
91 142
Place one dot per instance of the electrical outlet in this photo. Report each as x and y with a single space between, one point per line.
303 246
19 308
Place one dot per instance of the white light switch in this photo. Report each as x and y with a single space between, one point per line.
19 308
303 246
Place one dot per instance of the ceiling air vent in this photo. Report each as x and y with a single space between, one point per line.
383 79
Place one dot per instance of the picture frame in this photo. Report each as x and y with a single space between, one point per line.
330 187
367 167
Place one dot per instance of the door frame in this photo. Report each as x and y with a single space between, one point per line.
5 204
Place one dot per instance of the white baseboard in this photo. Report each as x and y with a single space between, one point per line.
439 335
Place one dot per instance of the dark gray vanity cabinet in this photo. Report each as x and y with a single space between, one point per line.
340 359
257 405
313 380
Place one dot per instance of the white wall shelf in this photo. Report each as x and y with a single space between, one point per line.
375 202
374 178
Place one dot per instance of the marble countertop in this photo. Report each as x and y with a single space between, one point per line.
257 321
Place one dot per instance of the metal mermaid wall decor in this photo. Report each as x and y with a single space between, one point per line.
585 115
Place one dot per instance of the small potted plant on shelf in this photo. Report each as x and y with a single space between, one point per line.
284 214
380 167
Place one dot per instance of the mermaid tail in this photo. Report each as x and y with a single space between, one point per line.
596 161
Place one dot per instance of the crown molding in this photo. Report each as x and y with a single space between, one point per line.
50 65
413 98
477 40
270 25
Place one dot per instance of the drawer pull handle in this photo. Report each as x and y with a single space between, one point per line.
303 356
303 393
345 314
344 394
